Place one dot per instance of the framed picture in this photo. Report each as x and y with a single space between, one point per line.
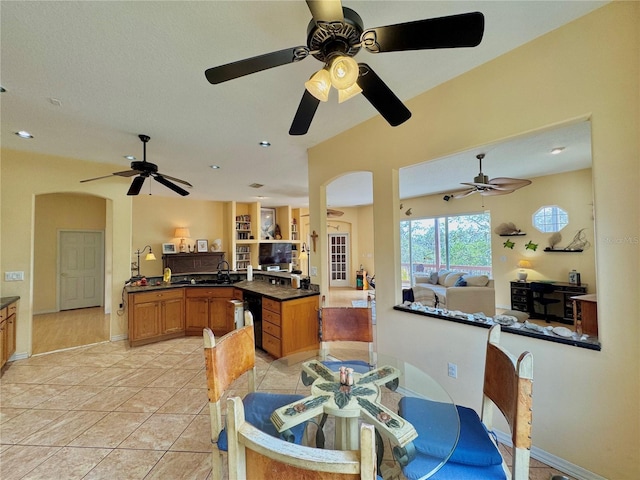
202 245
169 248
267 223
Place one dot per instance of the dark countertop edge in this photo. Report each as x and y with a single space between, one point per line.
276 292
6 301
595 345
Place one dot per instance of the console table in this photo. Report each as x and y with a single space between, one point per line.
522 298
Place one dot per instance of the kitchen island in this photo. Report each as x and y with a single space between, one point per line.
160 311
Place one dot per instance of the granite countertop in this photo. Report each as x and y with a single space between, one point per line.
6 301
277 292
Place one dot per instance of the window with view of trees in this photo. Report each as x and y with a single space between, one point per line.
460 243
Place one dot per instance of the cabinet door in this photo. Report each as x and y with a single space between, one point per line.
11 337
218 315
146 321
3 342
172 315
197 315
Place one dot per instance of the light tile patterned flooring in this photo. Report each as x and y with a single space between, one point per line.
111 411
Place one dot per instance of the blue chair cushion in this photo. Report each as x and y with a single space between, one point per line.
423 464
258 407
474 447
359 366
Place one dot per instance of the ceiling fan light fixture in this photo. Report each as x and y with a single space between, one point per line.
347 93
343 72
319 85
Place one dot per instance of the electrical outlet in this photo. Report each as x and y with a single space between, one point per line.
314 271
452 370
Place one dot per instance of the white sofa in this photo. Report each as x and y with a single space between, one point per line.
478 295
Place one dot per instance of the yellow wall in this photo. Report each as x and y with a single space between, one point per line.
585 402
155 219
25 176
54 212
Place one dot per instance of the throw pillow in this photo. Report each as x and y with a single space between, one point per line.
461 282
452 278
442 275
433 278
422 278
477 280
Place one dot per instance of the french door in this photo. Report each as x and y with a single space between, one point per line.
339 260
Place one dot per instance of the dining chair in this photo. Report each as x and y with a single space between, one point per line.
507 386
227 359
538 292
346 324
254 454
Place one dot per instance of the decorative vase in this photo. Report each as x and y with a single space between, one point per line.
522 276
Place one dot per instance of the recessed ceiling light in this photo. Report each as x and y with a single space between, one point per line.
265 144
24 134
129 157
215 167
557 150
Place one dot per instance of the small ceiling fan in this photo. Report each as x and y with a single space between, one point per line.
144 170
496 186
335 35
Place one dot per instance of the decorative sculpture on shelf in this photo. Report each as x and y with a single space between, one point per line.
554 240
508 228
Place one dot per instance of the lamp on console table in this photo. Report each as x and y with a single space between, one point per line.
522 274
182 233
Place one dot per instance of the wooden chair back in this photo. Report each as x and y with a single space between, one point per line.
254 454
349 324
226 360
508 385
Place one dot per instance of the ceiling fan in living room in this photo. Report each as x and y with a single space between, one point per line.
335 35
144 170
496 186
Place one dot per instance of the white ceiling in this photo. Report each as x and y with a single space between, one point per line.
85 78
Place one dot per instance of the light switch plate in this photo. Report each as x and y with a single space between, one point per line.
13 276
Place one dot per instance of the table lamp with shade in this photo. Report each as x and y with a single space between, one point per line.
523 265
182 233
149 256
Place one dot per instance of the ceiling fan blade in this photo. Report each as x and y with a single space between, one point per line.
171 185
381 97
247 66
494 191
136 185
126 173
176 180
326 12
466 193
478 184
304 114
503 183
464 30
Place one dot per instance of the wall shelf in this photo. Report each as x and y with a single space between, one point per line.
562 250
519 234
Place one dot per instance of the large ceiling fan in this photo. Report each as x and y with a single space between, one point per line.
335 35
144 170
496 186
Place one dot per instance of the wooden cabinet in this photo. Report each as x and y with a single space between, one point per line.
289 326
522 298
209 307
8 317
156 315
192 262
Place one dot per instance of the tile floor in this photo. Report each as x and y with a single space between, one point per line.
111 411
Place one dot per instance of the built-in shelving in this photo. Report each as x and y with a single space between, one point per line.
243 227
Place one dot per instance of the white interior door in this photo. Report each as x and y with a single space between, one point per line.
339 260
81 260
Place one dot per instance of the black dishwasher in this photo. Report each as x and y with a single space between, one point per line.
253 303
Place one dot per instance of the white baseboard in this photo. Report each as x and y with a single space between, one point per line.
117 338
556 462
18 356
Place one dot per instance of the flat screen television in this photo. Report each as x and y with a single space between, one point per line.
274 253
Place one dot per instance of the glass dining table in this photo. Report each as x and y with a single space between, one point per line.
336 401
